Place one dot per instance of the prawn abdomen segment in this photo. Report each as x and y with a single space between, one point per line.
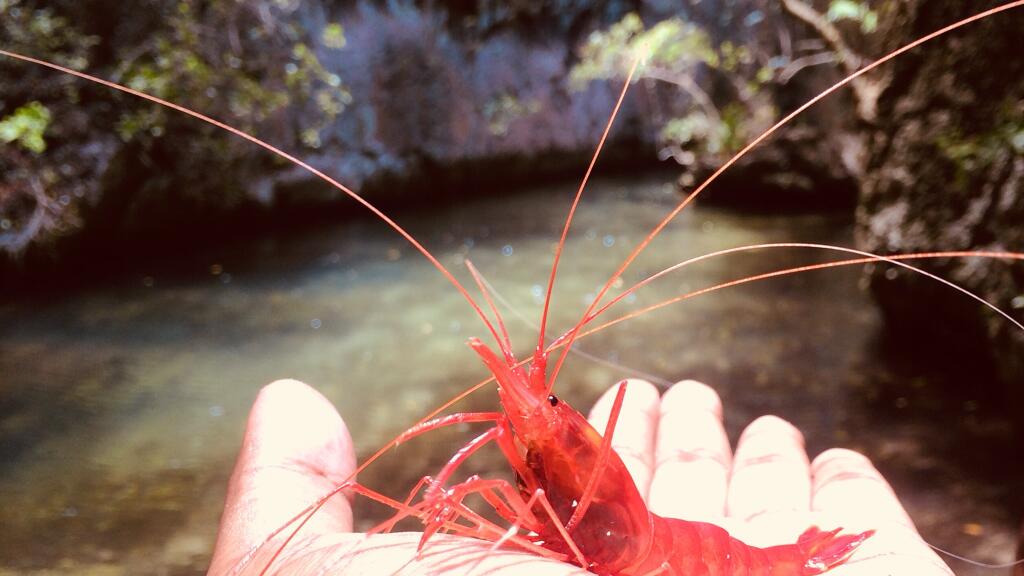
704 549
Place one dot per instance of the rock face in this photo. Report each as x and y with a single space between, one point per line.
946 172
448 99
423 97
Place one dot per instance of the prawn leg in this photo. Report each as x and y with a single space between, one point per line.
494 490
602 462
446 504
503 438
479 526
449 420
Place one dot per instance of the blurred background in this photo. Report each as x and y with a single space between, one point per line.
155 272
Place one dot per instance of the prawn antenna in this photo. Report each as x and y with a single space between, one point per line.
576 350
576 201
866 259
976 563
505 343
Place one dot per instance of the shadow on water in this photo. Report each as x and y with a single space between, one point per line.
947 439
123 405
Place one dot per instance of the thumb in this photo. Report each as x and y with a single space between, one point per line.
296 449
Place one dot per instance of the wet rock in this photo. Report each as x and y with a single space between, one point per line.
433 100
946 172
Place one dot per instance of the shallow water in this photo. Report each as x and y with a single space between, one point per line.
123 407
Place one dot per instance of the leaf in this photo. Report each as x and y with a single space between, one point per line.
333 36
870 23
853 10
26 126
844 9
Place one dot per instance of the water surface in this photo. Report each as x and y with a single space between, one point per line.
123 407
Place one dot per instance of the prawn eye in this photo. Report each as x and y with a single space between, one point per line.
553 400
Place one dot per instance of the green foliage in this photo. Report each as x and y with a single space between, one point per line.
307 75
725 135
39 30
188 62
857 11
26 126
971 153
733 137
677 52
693 128
333 36
503 110
250 64
672 44
733 56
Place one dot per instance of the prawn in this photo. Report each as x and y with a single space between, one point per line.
591 509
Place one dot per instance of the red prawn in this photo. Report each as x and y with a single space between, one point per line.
591 508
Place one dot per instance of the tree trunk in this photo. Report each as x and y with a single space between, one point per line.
945 171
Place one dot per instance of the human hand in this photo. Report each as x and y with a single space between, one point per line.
296 449
767 492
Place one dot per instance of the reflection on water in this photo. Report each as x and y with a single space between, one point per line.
122 408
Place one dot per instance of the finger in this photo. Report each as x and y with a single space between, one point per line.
633 439
296 449
398 553
770 485
849 490
847 485
692 455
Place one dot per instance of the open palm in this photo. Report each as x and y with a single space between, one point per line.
297 448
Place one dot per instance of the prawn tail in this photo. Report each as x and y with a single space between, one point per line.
826 549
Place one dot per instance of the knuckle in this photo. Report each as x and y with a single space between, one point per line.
694 455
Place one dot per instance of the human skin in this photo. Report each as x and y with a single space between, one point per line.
296 448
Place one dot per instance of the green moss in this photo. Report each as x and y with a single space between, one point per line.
505 109
971 153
